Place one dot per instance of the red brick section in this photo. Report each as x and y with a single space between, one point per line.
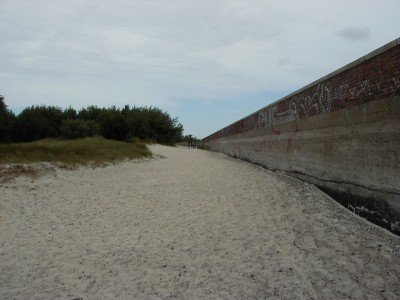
375 78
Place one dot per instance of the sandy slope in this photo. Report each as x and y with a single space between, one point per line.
192 224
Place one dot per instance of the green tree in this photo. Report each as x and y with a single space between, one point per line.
38 122
113 125
75 129
7 120
70 114
147 123
90 113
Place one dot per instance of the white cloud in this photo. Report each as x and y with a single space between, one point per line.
165 52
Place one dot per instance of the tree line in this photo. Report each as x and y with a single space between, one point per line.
40 121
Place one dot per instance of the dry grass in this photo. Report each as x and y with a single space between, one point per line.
70 153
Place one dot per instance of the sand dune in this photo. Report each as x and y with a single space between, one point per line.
192 224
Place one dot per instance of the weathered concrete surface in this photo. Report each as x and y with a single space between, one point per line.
340 133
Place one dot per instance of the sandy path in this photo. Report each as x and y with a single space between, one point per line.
192 224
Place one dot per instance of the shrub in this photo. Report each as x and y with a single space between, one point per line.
113 125
150 123
75 129
38 122
7 120
90 113
69 114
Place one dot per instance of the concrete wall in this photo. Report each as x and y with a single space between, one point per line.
341 132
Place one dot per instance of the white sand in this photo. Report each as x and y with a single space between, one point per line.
192 224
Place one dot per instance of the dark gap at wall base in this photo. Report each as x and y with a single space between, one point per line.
367 208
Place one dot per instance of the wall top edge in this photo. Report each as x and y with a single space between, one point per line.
348 66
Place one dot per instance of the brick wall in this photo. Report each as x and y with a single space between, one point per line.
372 77
341 133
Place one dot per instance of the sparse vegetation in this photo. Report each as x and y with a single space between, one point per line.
87 151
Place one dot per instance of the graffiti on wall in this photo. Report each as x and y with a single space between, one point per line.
375 78
322 99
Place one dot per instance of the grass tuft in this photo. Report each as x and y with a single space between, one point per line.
94 151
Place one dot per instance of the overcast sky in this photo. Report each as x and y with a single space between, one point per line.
208 63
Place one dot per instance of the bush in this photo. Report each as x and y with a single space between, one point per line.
38 122
75 129
7 120
69 114
150 123
90 113
113 125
